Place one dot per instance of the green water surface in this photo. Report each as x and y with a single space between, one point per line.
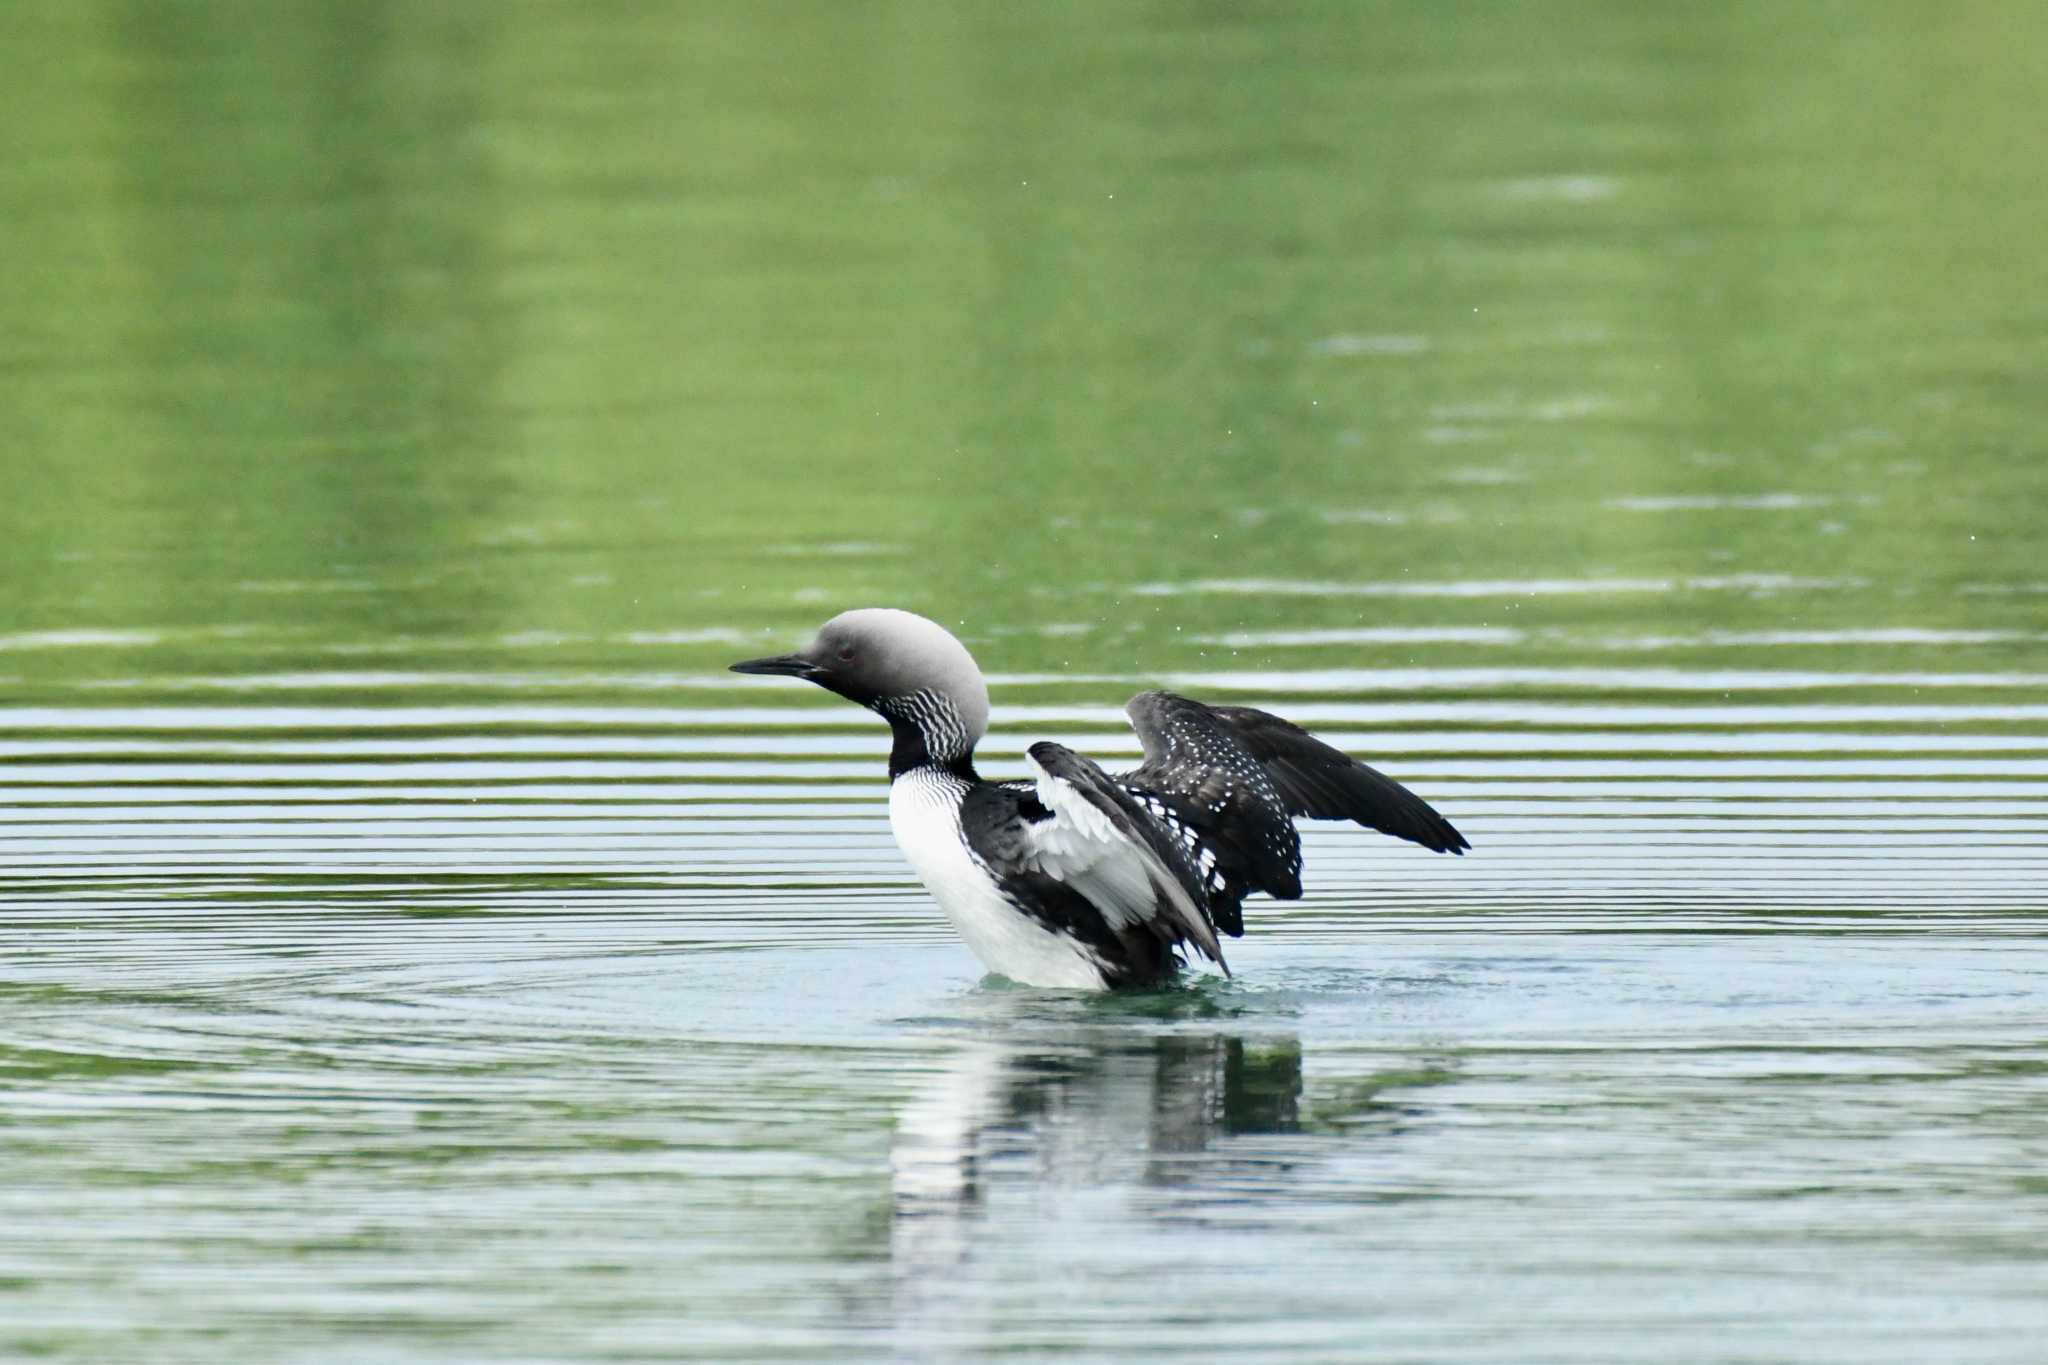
1623 421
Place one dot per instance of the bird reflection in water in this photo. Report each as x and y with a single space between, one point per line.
1142 1116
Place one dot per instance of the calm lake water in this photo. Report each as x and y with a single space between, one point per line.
1622 424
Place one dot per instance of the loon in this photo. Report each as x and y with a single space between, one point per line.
1078 878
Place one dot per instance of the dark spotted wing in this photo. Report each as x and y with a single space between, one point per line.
1218 789
1326 784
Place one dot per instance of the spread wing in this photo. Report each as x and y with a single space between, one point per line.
1215 788
1325 783
1166 854
1101 841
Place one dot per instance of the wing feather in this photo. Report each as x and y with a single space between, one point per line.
1325 783
1101 842
1221 788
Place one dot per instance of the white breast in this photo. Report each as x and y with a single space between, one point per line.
924 813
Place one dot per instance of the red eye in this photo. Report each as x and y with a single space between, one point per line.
845 653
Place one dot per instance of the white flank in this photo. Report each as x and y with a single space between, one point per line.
924 814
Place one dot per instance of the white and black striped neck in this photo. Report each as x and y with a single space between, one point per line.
928 732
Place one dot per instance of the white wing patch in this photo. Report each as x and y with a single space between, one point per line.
1079 846
1082 847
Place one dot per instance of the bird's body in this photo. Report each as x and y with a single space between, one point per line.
925 810
1079 878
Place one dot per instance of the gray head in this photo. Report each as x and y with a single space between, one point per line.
911 670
